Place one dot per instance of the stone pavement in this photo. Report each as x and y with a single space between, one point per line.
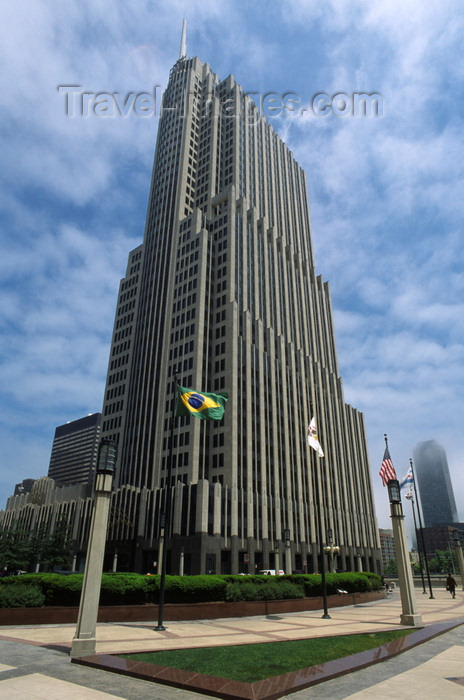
34 661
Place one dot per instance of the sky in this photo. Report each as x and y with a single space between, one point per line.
385 191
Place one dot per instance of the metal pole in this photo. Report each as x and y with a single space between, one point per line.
420 558
165 523
288 554
451 558
459 557
276 558
321 546
421 531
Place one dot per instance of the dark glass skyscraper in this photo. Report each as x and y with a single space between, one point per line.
434 482
223 292
75 449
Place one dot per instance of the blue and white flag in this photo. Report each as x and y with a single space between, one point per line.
408 479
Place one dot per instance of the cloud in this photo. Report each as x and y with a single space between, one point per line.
57 313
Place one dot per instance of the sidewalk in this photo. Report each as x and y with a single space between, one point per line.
36 662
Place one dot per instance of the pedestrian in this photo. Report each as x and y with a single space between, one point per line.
451 585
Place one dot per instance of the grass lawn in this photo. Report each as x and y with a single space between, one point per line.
254 662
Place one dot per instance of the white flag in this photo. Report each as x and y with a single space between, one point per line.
313 440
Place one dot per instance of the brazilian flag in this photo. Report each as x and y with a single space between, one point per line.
200 404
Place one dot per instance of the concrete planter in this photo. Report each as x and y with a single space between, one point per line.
178 612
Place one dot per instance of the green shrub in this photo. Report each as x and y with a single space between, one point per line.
312 585
351 582
124 589
61 590
188 589
57 589
348 581
269 590
21 596
136 589
374 579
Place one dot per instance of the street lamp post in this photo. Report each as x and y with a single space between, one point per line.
288 558
84 642
115 561
409 616
459 556
276 558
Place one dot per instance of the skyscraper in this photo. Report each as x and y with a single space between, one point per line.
74 451
387 546
434 482
223 292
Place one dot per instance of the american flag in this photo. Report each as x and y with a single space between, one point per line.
387 470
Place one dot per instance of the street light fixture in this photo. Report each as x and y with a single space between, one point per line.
394 491
331 549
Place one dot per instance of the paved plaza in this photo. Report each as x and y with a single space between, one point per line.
35 662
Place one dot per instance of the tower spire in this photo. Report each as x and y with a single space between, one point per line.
183 41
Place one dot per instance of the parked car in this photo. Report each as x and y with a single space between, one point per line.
271 572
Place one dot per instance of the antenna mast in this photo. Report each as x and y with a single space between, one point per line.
183 41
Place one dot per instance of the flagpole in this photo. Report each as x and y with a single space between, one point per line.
326 615
420 558
421 531
165 520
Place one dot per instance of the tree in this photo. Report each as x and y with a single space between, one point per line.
442 562
58 547
391 569
416 567
38 540
15 547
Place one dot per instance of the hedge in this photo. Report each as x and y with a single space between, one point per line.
188 589
56 589
21 596
374 579
124 589
137 589
269 590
